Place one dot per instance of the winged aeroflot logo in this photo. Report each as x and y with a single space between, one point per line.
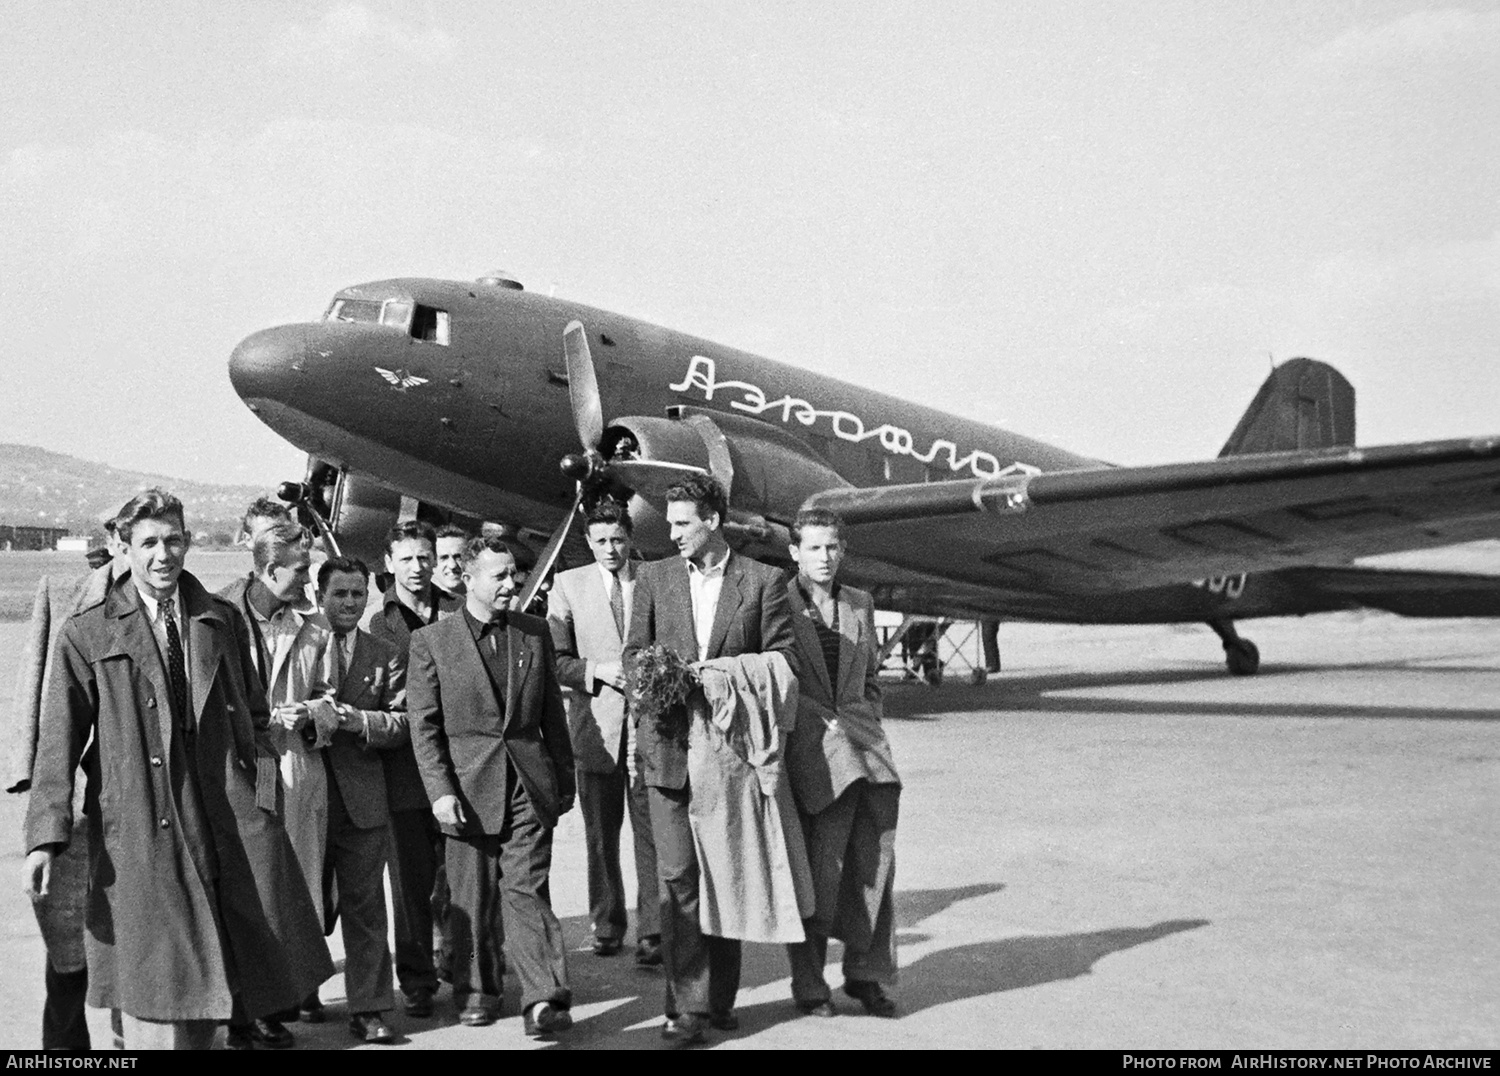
400 379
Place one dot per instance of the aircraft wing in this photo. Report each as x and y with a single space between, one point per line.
1406 593
1123 528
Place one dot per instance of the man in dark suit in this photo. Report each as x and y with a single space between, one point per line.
589 612
492 745
418 895
197 905
706 603
843 776
370 704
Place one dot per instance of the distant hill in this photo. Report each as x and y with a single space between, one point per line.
49 489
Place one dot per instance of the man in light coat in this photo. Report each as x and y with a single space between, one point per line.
197 904
589 614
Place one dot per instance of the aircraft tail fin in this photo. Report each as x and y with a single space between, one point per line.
1304 404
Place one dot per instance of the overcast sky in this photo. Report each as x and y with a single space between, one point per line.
1091 222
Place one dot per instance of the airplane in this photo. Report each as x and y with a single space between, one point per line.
482 401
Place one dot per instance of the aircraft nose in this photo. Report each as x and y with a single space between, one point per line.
267 364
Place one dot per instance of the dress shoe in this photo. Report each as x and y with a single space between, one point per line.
606 946
543 1020
312 1011
685 1030
724 1020
238 1038
270 1033
871 996
648 951
369 1027
477 1014
417 1002
817 1008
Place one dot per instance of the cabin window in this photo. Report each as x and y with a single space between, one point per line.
354 310
397 314
430 324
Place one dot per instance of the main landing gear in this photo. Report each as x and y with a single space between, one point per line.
1240 655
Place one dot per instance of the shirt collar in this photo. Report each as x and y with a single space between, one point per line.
480 628
709 573
625 574
153 607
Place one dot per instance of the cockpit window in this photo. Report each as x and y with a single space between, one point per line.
354 310
430 324
397 313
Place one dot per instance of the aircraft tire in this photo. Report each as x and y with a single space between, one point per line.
1243 658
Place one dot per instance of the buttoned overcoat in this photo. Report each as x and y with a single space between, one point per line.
194 891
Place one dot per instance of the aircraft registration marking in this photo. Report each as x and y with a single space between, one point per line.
702 374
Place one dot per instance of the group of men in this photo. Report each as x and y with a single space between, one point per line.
256 761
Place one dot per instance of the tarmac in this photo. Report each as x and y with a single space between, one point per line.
1112 844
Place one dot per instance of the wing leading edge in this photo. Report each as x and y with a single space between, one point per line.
1111 529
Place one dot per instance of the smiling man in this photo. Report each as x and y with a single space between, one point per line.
492 744
190 913
707 602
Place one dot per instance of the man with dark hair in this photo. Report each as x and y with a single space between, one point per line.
843 776
589 613
370 679
706 603
418 893
448 569
190 915
60 913
492 744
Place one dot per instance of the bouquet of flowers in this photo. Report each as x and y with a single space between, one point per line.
660 690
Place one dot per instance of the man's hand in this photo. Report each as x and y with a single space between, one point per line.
36 876
291 715
448 811
612 673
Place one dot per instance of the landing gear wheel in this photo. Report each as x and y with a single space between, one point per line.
1242 657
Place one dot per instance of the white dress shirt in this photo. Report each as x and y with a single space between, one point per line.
159 629
627 588
705 584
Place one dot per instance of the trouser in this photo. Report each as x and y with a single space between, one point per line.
702 971
175 1035
415 846
358 857
851 846
60 916
498 886
603 799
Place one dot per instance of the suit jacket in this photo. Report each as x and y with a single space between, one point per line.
56 600
751 618
584 634
175 865
374 685
461 739
838 738
403 782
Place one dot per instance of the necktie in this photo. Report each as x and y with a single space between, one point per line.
340 669
176 666
617 602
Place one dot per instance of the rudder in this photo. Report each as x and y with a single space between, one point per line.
1304 404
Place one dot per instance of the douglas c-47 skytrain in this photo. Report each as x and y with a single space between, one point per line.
483 401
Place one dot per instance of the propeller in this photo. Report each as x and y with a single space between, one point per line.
589 469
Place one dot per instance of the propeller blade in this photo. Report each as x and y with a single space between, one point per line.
651 477
549 555
583 386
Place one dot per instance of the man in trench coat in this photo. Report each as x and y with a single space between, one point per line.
195 897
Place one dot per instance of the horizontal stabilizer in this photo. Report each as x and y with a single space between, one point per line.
1407 593
1303 405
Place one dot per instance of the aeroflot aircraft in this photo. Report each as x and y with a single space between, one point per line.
483 401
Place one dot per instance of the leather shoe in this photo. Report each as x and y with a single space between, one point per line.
418 1002
543 1020
312 1011
239 1038
818 1008
369 1027
724 1021
687 1029
648 951
871 996
271 1034
477 1015
606 946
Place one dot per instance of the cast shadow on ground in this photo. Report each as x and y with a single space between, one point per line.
1037 693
